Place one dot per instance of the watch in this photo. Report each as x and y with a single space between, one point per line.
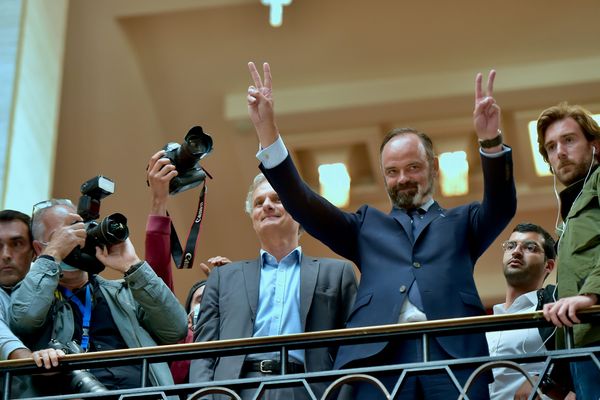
493 142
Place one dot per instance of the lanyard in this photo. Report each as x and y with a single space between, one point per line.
86 312
186 259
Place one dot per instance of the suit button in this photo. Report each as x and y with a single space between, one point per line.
402 289
417 265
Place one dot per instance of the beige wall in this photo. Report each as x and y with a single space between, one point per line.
35 102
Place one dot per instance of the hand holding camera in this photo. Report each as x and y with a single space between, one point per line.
65 239
160 172
109 231
120 256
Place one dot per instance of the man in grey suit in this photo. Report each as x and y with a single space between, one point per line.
283 291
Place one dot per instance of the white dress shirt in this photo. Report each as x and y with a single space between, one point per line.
514 342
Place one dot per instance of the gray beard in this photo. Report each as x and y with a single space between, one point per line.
408 200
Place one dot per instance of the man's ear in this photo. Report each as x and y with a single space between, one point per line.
436 166
38 247
549 267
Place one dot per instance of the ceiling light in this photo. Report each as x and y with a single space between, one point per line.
454 173
334 181
276 13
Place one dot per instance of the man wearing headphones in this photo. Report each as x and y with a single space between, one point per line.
568 139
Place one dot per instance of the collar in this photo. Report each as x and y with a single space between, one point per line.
523 302
570 193
267 259
7 289
427 205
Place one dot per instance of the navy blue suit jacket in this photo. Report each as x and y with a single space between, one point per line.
441 259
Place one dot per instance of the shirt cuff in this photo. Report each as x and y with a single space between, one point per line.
273 155
9 346
505 149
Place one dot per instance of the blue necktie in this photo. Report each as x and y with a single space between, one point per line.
416 219
414 295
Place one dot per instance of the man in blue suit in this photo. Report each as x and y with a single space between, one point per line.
417 260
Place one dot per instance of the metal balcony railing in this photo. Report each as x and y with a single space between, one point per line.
334 378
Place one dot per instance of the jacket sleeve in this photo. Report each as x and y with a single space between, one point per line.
33 296
499 203
161 313
588 243
8 341
207 328
158 247
327 223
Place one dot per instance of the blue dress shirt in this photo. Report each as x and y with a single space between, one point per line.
279 301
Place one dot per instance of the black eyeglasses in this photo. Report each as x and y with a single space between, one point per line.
528 246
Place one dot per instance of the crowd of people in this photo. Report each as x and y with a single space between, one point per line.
416 263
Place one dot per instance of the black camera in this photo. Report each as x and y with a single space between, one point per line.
111 230
185 157
80 380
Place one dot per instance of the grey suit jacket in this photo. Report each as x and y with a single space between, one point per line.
230 301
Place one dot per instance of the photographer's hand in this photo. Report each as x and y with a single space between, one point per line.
159 173
64 239
119 257
47 358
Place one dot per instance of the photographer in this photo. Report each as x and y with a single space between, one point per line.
160 172
60 302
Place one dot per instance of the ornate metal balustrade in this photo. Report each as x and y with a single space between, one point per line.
332 379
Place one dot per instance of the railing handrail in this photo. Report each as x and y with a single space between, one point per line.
309 339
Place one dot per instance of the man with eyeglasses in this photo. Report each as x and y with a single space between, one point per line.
528 259
60 302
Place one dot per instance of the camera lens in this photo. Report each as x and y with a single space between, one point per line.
111 230
196 145
84 382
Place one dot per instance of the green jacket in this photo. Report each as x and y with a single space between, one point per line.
144 309
579 250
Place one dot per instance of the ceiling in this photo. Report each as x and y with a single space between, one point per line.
140 73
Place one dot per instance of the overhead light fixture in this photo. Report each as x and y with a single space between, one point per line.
276 13
454 173
334 181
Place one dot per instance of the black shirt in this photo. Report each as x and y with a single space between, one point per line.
104 335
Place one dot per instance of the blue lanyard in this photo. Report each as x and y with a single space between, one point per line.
86 312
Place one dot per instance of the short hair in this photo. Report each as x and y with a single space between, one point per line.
426 140
549 243
256 182
37 227
13 215
583 117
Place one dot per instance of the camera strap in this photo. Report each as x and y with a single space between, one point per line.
186 259
86 312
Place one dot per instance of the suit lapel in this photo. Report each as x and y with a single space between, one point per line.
404 220
252 281
309 271
434 212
